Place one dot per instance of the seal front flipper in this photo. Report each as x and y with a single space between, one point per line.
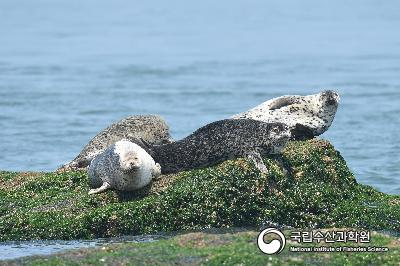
301 132
156 171
103 188
256 158
282 102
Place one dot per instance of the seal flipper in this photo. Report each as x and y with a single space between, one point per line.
282 102
103 188
256 158
156 171
301 132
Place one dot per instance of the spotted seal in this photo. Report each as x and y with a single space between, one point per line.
220 141
151 128
123 166
307 116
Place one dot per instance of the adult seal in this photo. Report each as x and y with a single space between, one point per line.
151 128
123 166
220 141
306 116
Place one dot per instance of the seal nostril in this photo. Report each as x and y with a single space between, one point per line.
331 102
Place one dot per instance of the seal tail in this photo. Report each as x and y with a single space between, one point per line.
103 188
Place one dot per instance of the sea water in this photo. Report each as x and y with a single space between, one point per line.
70 68
18 249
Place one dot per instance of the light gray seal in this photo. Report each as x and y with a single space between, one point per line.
123 166
220 141
307 116
151 128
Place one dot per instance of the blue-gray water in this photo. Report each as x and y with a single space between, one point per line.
70 68
18 249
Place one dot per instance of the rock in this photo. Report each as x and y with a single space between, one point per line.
308 186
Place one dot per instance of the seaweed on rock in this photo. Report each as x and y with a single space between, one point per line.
309 185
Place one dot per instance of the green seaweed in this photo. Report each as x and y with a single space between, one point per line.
219 247
308 186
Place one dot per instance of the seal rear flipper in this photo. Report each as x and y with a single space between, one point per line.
103 188
256 158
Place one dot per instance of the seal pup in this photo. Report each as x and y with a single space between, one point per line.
220 141
151 128
307 116
123 166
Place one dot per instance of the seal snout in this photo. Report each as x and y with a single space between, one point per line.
131 162
134 163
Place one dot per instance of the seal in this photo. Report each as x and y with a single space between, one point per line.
123 166
220 141
307 116
151 128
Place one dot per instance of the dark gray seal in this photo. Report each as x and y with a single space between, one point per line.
220 141
307 116
151 128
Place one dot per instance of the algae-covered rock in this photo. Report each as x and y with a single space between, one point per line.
220 247
309 185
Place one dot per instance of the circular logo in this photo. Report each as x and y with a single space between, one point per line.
273 247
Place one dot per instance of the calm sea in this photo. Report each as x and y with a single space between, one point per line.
70 68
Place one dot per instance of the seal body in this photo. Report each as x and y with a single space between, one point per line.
220 141
151 128
123 166
307 116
